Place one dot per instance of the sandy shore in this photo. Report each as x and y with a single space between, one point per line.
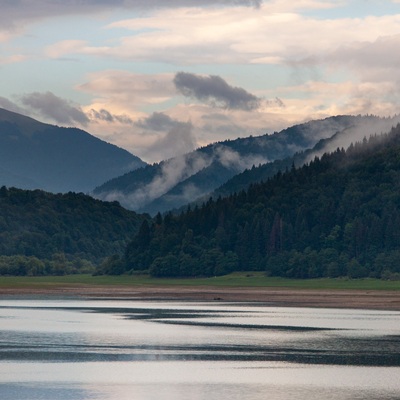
362 299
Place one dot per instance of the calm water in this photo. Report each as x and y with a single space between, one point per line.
76 349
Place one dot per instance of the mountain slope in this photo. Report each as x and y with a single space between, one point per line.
363 128
176 182
44 225
336 216
43 156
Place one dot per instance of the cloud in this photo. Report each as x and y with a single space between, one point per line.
12 59
215 91
66 47
51 106
157 121
356 133
237 35
190 3
119 98
172 137
126 90
178 140
11 106
178 169
171 173
17 11
107 116
370 58
232 159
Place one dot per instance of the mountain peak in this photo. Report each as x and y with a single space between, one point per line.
26 125
35 155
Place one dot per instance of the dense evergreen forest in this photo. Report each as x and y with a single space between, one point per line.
43 233
338 215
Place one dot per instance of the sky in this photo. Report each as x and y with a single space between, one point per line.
163 77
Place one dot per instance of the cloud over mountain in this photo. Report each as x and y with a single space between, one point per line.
174 137
51 106
216 91
248 66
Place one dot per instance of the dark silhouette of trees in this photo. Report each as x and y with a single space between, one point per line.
338 215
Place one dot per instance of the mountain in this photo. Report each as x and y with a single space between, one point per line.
34 155
338 215
54 228
180 180
364 127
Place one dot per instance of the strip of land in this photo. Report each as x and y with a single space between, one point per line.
282 297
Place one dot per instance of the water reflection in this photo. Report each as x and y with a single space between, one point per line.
110 349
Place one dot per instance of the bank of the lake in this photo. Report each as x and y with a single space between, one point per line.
255 287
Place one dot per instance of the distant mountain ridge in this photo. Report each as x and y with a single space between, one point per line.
35 155
181 180
367 126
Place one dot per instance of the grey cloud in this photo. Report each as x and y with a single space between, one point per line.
278 102
10 106
105 115
178 169
364 128
171 173
232 159
174 137
178 136
102 115
216 91
368 56
383 53
51 106
215 117
186 3
158 122
180 139
25 10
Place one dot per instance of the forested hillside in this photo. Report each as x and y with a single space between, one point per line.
363 127
176 182
42 233
338 215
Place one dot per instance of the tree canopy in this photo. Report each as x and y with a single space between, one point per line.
338 215
40 226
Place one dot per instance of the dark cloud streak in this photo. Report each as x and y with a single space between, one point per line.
105 115
216 91
48 105
23 10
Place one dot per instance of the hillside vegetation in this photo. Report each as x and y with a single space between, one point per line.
338 215
42 233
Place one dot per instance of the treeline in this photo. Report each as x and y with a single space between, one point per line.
59 264
43 233
338 215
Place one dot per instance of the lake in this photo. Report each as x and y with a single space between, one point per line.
128 349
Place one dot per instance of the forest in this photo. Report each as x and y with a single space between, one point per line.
338 215
56 234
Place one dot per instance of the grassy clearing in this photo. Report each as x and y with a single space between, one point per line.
248 279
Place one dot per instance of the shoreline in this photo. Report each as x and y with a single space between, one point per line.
278 297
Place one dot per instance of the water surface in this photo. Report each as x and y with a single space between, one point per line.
119 349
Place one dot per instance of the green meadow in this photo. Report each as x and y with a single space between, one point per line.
255 279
